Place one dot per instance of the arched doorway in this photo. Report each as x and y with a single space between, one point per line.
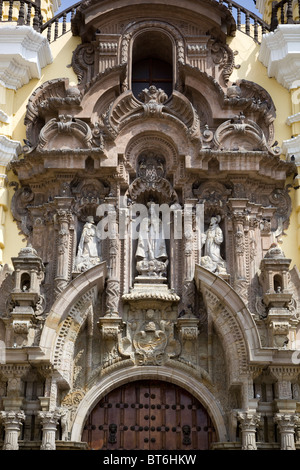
149 415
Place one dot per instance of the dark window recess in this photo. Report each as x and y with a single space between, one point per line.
147 72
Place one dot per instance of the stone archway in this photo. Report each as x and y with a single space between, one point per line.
191 386
149 415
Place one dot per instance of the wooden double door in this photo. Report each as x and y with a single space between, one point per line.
149 415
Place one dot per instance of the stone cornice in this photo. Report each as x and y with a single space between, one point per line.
23 53
9 149
280 53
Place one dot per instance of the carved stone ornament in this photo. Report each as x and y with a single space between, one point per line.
150 338
240 134
65 133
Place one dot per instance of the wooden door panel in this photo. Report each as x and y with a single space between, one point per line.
149 415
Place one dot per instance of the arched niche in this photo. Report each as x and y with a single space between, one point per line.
155 142
143 40
152 65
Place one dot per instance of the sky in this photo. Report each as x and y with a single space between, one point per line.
249 4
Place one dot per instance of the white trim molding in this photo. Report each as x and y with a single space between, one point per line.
55 5
280 53
23 54
293 119
4 117
9 149
291 148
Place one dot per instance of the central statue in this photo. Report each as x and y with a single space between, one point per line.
151 253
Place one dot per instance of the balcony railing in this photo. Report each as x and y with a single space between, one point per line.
246 21
60 24
283 13
23 12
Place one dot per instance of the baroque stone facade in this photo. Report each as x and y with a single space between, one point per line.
153 221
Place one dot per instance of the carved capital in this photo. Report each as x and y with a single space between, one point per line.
248 422
49 420
287 423
12 421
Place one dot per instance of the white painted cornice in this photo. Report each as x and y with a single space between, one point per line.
293 118
280 53
4 117
9 149
261 5
291 148
55 5
23 54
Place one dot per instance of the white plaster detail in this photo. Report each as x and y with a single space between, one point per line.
55 5
261 5
4 117
23 54
280 53
291 147
9 149
293 118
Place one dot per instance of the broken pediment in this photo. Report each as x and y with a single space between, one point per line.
65 133
240 134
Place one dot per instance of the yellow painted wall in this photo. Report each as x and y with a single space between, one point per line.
17 100
252 69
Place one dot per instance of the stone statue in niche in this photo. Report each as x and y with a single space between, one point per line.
151 253
212 239
89 248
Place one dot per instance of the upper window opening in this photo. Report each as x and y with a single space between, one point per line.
152 62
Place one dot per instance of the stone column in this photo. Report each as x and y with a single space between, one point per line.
63 219
248 423
12 421
188 287
113 281
239 214
287 424
49 421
